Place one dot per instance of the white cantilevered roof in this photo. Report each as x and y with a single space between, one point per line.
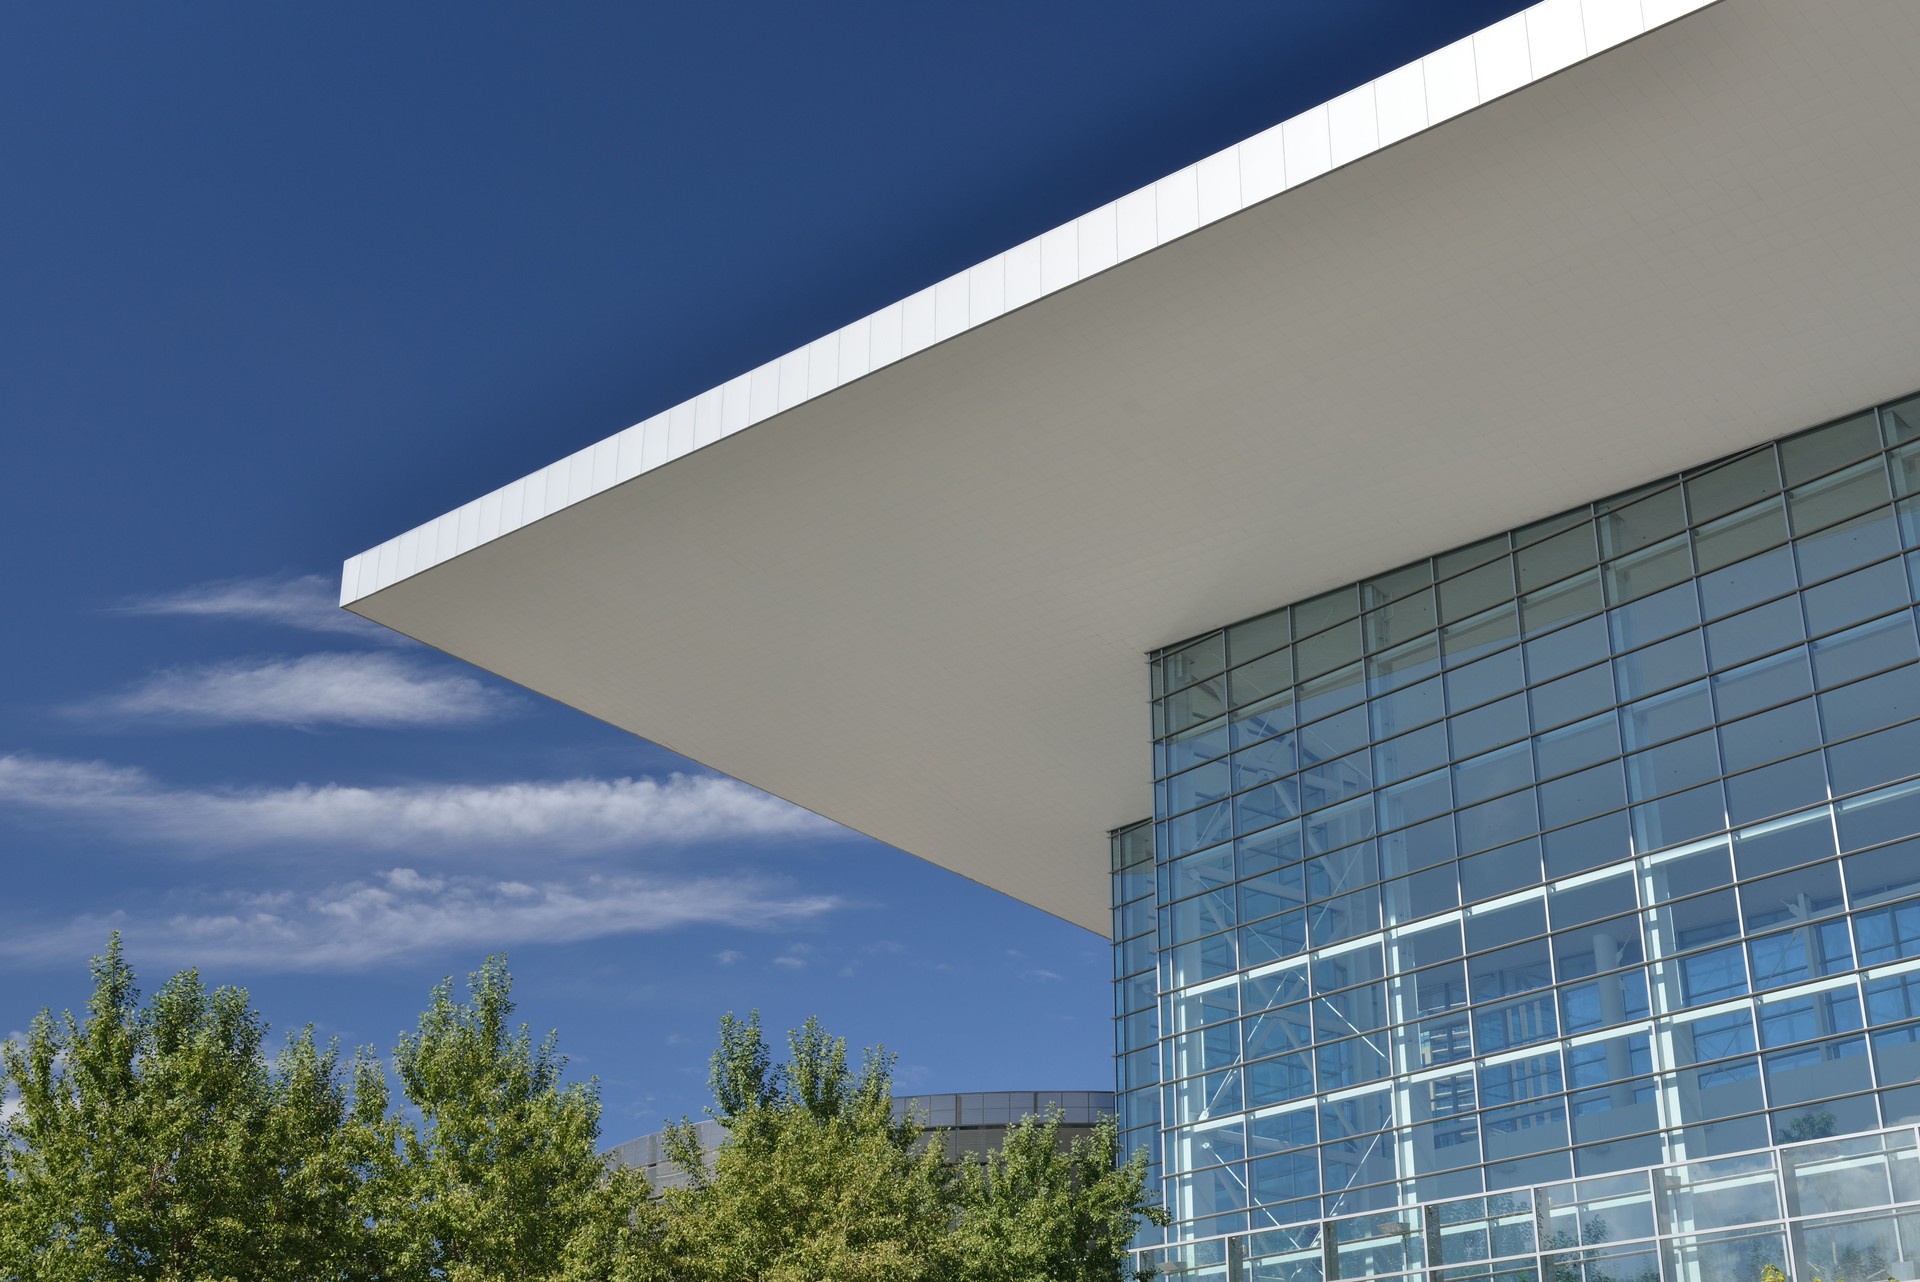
904 577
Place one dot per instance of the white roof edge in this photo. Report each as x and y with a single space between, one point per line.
1472 71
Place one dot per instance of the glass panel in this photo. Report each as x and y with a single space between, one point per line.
1661 666
1883 875
1485 680
1264 719
1569 599
1403 665
1648 571
1784 843
1900 421
1744 583
1395 584
1761 630
1740 535
1401 621
1257 636
1262 677
1581 744
1724 488
1835 497
1317 613
1197 661
1416 705
1850 598
1641 523
1871 536
1571 698
1556 557
1649 619
1825 448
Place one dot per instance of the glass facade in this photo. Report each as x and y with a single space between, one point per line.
1505 878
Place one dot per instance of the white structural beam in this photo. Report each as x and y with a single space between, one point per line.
910 589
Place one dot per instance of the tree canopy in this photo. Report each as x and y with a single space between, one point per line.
161 1141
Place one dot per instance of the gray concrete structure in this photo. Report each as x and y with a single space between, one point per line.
972 1123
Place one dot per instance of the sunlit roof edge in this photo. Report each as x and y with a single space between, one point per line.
1491 63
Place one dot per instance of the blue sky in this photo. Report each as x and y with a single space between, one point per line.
278 282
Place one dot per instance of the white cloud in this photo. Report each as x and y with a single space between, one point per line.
795 957
400 913
310 602
574 815
345 689
728 956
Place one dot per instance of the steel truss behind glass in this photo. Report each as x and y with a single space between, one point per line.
1587 848
1846 1210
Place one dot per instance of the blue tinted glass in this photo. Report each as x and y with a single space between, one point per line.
1587 844
1516 1022
1417 705
1783 843
1785 731
1611 999
1794 956
1412 754
1495 872
1743 584
1263 720
1493 773
1570 698
1710 977
1802 895
1498 822
1661 666
1595 702
1764 683
1274 938
1805 1018
1679 817
1505 971
1724 487
1772 789
1606 945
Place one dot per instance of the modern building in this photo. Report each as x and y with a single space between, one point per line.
1508 470
971 1124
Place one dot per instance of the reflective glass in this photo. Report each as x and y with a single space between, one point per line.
1663 749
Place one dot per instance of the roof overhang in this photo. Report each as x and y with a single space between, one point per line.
914 596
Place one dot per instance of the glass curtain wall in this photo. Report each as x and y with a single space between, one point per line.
1136 1016
1589 847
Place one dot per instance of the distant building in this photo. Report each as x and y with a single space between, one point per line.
974 1123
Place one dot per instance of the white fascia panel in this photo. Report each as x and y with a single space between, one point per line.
1534 43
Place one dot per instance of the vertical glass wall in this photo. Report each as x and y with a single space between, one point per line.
1589 847
1136 1018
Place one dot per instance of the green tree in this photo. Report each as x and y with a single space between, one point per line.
160 1143
1036 1211
501 1179
816 1179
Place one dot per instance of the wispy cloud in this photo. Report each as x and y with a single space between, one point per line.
310 602
795 957
728 956
380 691
402 912
574 815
